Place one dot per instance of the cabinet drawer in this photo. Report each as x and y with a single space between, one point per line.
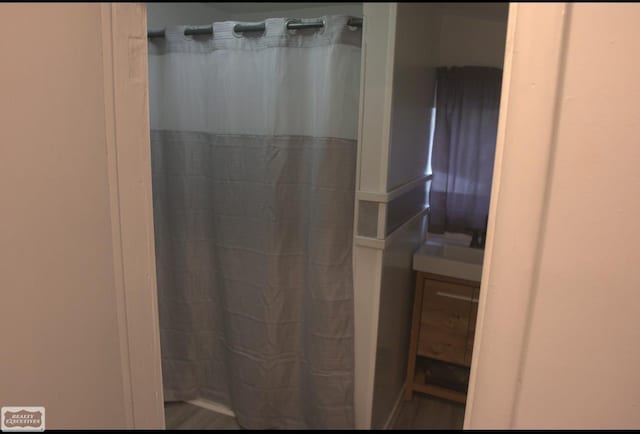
442 345
445 320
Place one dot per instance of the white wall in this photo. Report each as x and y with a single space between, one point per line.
64 308
394 321
373 131
559 328
416 42
414 75
471 40
586 309
312 11
400 42
160 15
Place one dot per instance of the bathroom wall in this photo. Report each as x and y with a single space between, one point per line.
559 325
416 42
472 40
375 89
65 331
413 88
293 10
160 15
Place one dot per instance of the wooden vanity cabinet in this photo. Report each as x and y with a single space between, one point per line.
443 327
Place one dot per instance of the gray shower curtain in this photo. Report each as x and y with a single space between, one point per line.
467 106
253 161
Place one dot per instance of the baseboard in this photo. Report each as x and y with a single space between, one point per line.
394 412
213 406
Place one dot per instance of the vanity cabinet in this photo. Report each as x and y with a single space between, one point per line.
442 332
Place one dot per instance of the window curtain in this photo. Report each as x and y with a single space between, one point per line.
467 106
253 142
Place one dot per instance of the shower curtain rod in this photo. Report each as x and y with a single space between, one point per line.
253 27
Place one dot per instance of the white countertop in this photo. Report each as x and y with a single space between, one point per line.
449 259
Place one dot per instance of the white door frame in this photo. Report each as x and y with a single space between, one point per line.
124 32
534 56
524 150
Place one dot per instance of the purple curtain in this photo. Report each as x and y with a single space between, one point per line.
467 105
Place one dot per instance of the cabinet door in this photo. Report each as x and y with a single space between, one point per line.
444 325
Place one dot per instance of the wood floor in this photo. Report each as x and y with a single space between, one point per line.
180 415
422 412
429 412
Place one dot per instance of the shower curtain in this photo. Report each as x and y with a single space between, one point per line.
253 158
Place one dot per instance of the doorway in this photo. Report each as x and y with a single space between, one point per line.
405 210
456 16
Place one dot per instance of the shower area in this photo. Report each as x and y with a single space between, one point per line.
253 144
